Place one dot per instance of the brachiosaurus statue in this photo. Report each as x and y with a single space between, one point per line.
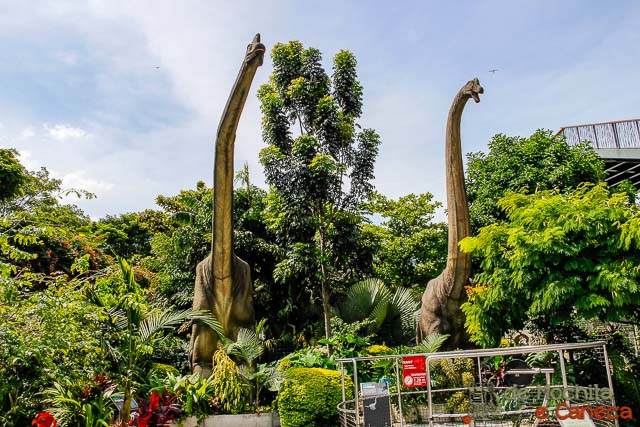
223 281
440 311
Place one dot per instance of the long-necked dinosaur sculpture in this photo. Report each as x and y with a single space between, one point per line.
223 281
440 311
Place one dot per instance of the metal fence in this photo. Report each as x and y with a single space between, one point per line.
490 387
619 134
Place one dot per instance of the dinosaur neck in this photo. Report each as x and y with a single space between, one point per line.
222 242
458 263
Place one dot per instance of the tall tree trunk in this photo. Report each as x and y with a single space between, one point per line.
326 308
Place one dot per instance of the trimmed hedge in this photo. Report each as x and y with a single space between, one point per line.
310 396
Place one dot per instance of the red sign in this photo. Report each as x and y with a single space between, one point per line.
414 371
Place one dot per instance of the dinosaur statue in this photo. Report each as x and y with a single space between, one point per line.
440 311
223 281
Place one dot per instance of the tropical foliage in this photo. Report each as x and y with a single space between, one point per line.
392 313
559 256
94 314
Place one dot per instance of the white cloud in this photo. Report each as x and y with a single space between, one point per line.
27 160
27 133
62 132
80 181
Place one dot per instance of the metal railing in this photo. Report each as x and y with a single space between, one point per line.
618 134
403 400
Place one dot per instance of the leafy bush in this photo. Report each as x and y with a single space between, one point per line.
309 397
75 403
197 396
310 357
44 336
378 350
453 373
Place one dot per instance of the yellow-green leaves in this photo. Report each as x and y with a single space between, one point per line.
227 383
323 164
556 254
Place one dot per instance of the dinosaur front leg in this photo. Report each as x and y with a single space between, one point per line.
203 340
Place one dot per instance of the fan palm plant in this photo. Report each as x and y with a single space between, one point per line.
393 313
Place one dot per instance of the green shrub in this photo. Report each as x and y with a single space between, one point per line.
309 397
196 395
310 357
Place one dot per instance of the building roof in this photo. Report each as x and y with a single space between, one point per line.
617 143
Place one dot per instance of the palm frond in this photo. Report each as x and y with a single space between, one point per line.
118 317
206 318
404 306
183 218
432 343
247 346
116 355
158 319
379 314
362 299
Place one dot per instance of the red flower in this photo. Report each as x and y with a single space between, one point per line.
44 419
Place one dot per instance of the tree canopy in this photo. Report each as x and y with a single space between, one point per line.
541 162
559 256
12 174
321 178
409 247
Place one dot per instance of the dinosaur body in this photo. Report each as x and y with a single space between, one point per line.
440 311
223 281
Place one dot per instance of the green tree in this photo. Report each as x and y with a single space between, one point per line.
12 174
409 248
39 234
320 178
560 256
128 235
541 162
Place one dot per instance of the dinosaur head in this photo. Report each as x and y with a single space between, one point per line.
473 89
255 51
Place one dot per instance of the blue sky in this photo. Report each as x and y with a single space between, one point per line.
123 98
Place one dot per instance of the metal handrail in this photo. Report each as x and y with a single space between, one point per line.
471 354
483 352
620 134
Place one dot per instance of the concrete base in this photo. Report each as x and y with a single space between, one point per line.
268 419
